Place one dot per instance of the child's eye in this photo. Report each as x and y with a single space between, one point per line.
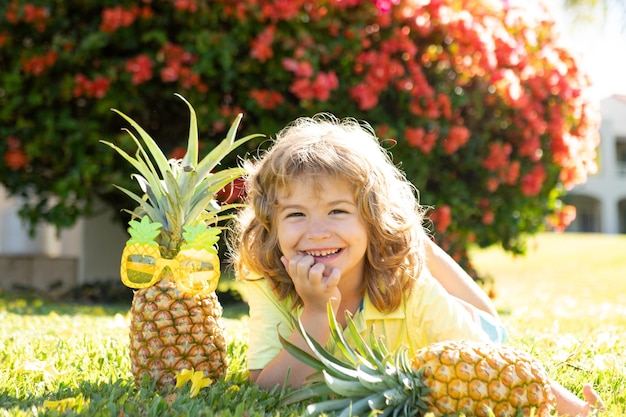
338 211
294 214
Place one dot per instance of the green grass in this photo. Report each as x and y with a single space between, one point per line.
565 301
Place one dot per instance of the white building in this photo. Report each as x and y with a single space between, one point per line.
87 253
601 202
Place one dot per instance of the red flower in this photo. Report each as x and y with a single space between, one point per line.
385 5
261 47
38 16
14 157
498 156
457 137
170 73
324 84
532 181
99 87
510 173
96 88
170 52
442 218
419 138
188 78
365 97
445 105
280 9
531 148
232 192
178 153
36 65
488 217
562 218
146 12
414 137
300 69
492 184
302 88
186 5
116 17
177 67
141 68
12 12
267 99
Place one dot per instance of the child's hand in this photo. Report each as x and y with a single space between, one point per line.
314 282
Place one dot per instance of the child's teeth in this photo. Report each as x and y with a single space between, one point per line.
321 253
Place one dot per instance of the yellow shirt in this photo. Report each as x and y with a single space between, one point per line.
428 314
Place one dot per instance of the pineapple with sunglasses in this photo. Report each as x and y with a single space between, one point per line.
171 258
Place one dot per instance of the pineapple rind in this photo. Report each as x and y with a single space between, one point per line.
172 331
442 379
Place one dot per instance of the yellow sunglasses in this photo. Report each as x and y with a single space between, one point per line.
195 270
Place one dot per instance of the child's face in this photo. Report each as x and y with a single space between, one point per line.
319 217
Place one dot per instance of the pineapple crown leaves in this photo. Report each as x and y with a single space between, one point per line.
371 379
200 236
178 192
144 231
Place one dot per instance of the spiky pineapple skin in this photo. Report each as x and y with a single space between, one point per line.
171 331
475 378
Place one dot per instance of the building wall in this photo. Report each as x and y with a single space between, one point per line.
47 261
601 202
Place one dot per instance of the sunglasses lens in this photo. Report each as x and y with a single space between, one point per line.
138 271
200 272
141 268
195 266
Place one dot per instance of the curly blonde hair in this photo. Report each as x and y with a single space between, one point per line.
387 203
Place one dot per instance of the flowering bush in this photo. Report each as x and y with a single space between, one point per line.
489 116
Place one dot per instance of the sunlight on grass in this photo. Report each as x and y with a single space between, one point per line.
565 302
57 356
585 267
573 281
41 349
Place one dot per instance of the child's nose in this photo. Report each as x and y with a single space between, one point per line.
318 229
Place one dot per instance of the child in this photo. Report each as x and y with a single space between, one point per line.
331 219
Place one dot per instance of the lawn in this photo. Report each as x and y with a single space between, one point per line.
565 301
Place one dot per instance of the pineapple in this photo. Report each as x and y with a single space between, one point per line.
171 259
448 378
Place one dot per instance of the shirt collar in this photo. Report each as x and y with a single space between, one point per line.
371 313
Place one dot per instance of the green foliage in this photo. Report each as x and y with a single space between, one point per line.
489 115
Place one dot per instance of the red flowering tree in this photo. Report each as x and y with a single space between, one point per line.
489 115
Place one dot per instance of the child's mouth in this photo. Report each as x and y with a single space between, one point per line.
321 254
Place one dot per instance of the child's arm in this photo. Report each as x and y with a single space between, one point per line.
285 369
455 280
316 289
